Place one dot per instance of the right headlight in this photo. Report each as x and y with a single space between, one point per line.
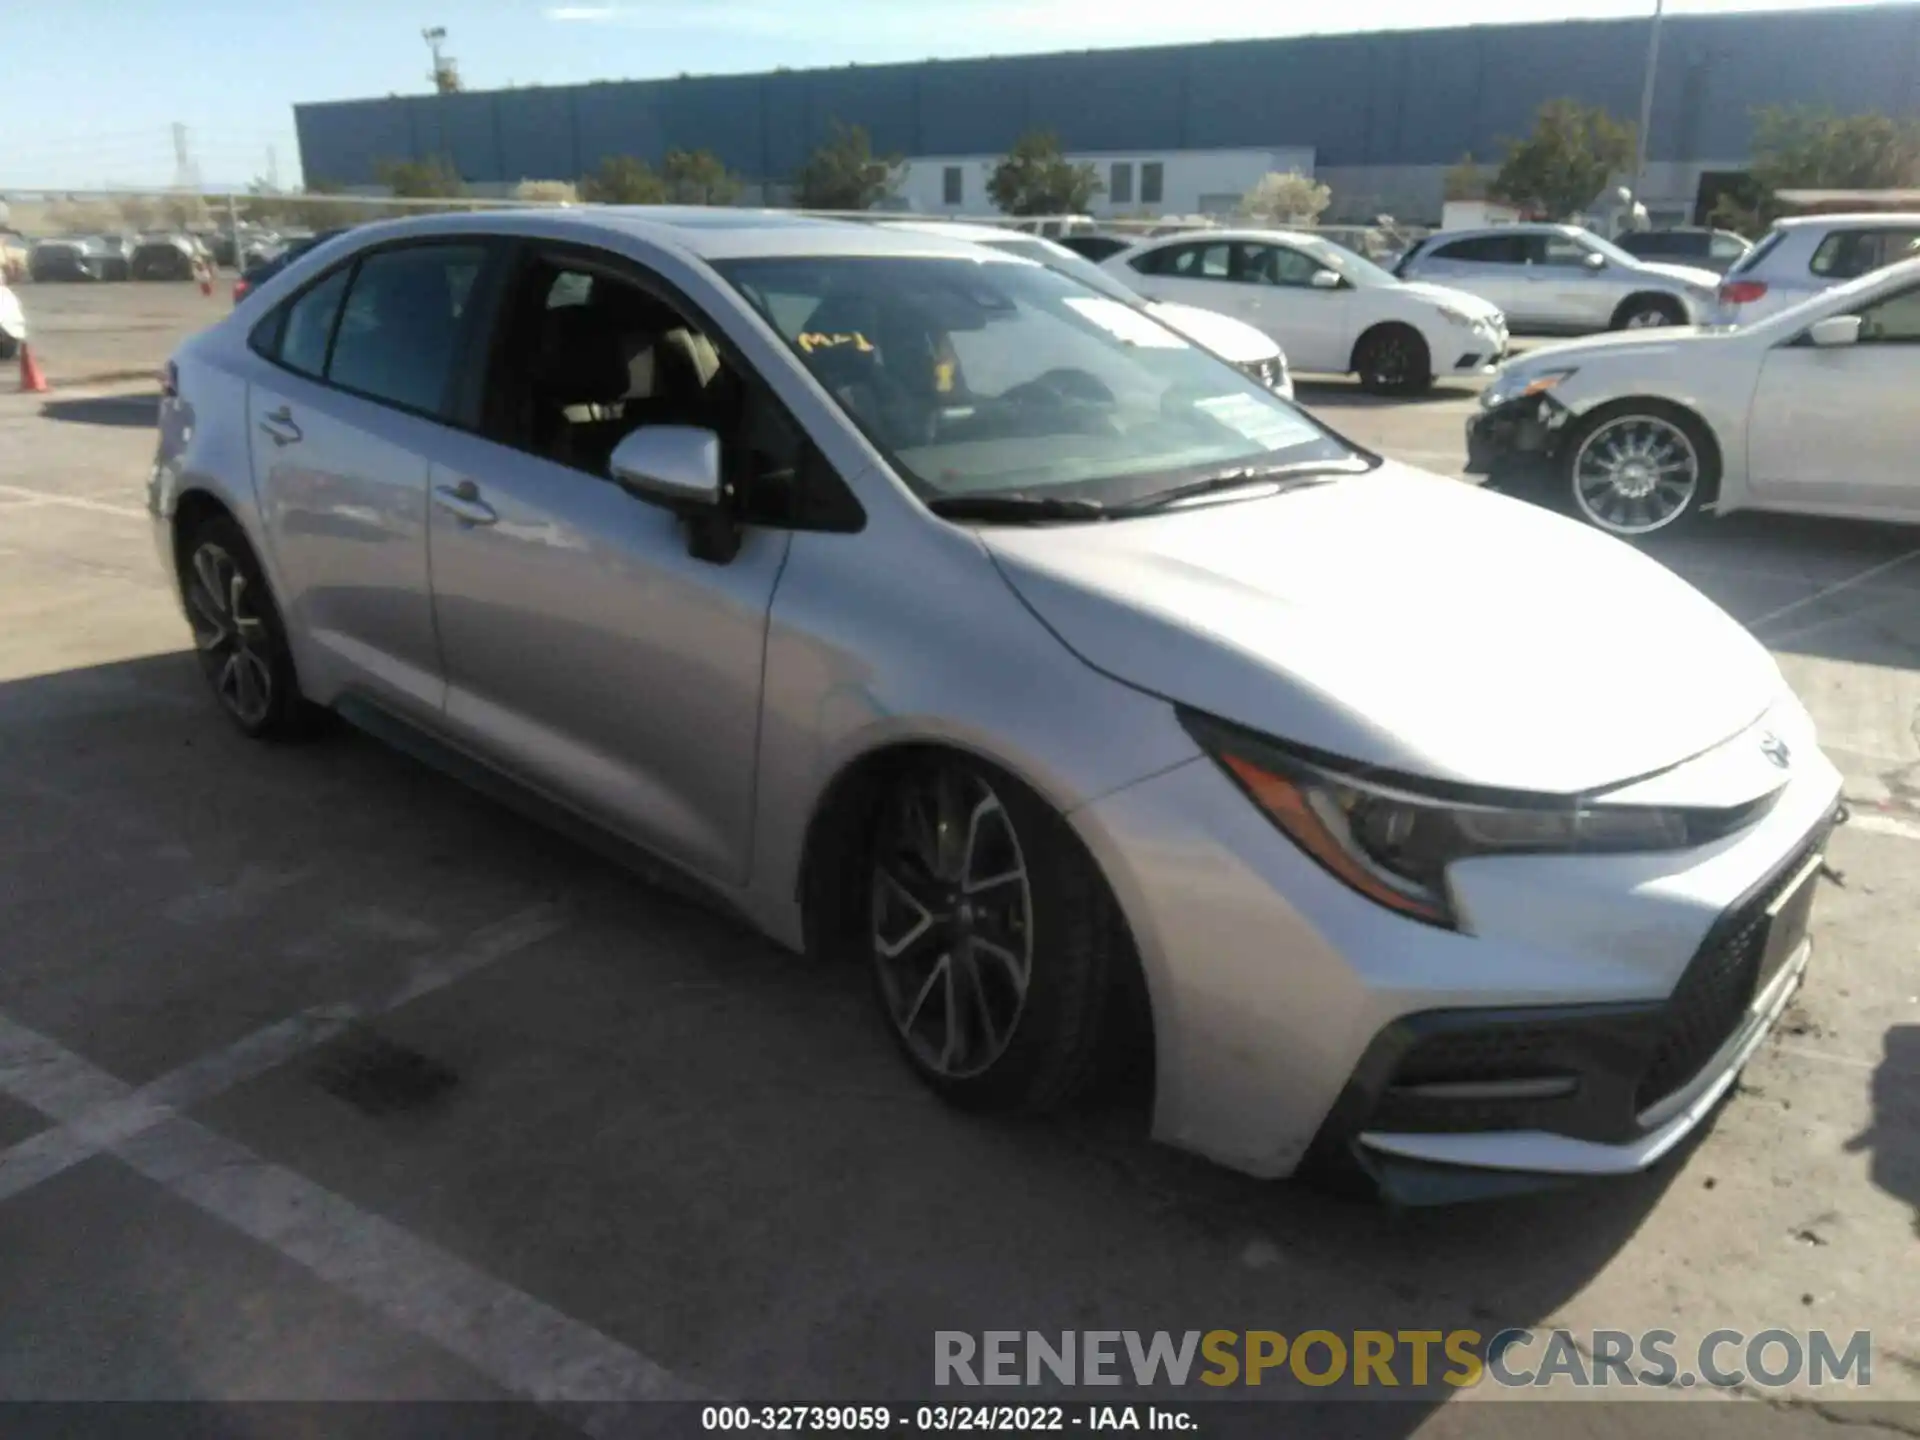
1522 384
1392 840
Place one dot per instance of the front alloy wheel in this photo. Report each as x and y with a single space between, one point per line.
999 957
1635 474
952 922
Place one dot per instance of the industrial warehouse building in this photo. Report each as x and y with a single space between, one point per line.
1179 129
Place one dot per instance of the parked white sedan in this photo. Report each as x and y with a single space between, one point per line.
1333 311
1810 410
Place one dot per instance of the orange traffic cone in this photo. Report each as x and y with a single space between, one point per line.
33 380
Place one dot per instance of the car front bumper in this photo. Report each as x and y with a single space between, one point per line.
1482 351
1586 1019
1527 427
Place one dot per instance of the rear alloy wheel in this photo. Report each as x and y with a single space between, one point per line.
1393 360
991 938
1649 312
237 634
1636 472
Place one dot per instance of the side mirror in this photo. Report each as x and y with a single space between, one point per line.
1325 280
677 467
1835 330
1594 262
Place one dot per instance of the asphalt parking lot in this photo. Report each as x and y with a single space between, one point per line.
323 1078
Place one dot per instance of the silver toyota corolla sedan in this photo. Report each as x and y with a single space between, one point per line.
941 613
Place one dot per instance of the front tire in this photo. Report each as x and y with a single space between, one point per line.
238 634
1393 360
1638 468
993 941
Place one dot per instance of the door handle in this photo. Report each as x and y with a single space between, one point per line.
280 426
463 502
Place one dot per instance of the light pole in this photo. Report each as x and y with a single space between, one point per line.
433 36
1646 103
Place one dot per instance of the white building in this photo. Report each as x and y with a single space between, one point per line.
1164 182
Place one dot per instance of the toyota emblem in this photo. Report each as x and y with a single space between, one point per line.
1776 750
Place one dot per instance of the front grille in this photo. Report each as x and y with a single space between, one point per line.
1711 1000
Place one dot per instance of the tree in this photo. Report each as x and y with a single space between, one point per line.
845 174
1559 169
1804 147
1466 180
623 180
696 177
1285 198
548 192
1036 179
433 178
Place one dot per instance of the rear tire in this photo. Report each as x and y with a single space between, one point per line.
994 943
1393 360
1648 312
239 636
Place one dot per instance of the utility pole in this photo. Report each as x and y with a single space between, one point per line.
1646 104
446 72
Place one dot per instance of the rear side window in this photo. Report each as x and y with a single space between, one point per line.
1849 254
398 333
1769 243
309 326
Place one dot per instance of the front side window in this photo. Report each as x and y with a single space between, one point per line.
1564 251
1484 250
1278 265
1892 321
1849 254
984 377
399 329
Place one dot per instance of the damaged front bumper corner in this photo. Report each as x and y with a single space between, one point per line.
1525 427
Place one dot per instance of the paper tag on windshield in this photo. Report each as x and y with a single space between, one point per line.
1264 424
1125 323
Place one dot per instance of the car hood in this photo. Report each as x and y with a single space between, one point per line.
1408 622
1686 274
1473 306
1227 337
1612 344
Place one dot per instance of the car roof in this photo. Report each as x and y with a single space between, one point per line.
1517 227
1863 217
971 231
708 233
1244 232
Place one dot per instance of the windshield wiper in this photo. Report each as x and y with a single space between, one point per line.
1287 477
1016 509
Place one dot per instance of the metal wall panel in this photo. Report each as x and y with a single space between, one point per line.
1415 98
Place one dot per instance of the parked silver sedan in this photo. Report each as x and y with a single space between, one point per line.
943 614
1561 278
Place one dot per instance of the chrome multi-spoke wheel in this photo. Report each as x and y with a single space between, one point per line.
230 634
1637 473
952 921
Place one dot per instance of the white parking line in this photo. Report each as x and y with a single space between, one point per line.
1834 589
1884 824
72 502
106 1112
519 1343
514 1340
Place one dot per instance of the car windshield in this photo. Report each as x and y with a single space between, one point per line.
1351 266
1066 262
994 376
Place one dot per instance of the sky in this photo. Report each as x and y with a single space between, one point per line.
94 87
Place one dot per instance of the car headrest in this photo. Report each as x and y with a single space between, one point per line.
582 359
